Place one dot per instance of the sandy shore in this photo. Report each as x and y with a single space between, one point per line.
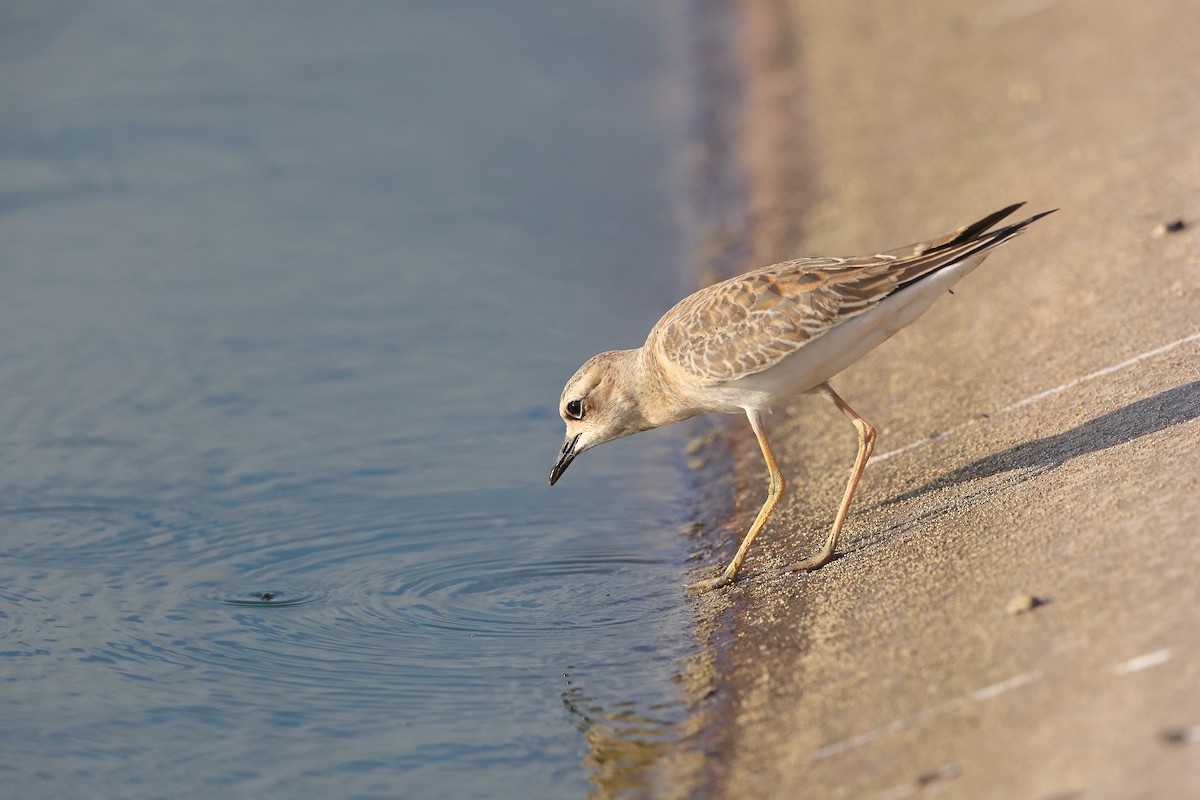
1037 430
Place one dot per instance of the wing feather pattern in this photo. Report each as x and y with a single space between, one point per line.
748 324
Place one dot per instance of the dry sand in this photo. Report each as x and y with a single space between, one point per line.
1015 607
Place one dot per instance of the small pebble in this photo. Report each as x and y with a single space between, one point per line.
1163 228
1022 603
946 773
1180 736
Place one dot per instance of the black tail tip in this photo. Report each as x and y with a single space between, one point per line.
1034 218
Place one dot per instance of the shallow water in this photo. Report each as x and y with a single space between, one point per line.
289 292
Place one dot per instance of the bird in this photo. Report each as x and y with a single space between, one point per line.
751 342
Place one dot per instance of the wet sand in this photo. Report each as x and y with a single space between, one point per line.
1013 609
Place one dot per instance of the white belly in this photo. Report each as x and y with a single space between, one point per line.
826 356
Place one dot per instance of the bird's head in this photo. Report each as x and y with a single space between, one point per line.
600 403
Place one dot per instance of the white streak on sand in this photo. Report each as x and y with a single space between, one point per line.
977 696
1033 398
1144 661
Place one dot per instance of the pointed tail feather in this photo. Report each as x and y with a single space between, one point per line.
919 266
974 230
963 235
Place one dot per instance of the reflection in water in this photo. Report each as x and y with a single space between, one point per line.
625 747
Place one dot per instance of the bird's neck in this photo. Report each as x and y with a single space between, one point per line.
658 401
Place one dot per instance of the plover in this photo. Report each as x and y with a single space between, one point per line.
753 341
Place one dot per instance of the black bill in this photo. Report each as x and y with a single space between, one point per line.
564 459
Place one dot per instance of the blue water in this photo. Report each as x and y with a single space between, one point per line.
288 292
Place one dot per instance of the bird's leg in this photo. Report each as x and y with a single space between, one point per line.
866 443
774 491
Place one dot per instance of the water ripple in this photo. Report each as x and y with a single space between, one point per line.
508 597
271 596
380 616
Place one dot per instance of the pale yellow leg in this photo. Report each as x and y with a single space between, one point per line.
866 443
774 492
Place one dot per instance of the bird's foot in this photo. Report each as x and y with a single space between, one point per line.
724 579
811 563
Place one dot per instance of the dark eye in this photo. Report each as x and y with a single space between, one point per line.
575 409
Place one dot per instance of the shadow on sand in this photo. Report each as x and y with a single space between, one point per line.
1122 425
1026 461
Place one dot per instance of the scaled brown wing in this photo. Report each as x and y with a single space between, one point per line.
749 323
